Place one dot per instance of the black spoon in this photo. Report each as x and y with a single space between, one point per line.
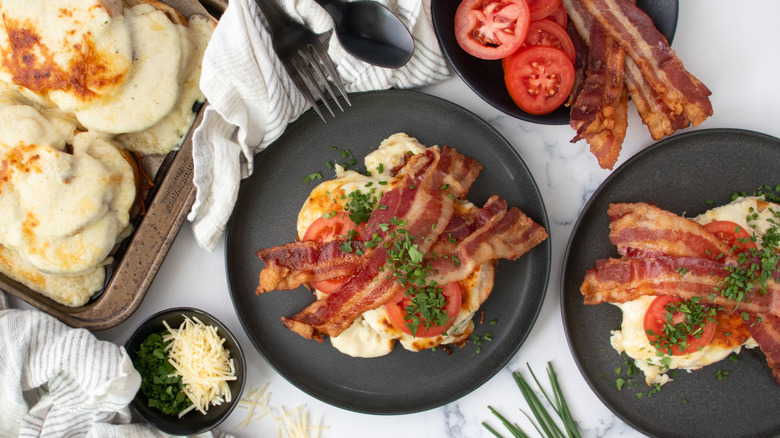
370 32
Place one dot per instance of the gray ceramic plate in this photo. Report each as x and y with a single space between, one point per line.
265 215
679 174
486 78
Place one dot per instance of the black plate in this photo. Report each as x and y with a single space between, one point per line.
265 215
679 174
486 78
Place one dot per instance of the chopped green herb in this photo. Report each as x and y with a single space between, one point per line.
311 177
158 384
360 205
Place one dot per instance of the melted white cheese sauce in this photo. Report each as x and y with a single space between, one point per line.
63 212
168 133
69 33
632 339
152 88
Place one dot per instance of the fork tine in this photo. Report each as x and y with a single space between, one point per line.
326 82
331 70
298 81
306 73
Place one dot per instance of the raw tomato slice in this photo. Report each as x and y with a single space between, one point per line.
542 8
396 310
538 78
546 33
657 316
559 16
491 29
732 233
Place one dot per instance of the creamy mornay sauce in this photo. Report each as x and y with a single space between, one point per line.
152 88
167 134
62 211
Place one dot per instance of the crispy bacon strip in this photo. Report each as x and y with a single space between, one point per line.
507 235
291 265
651 108
636 33
600 111
644 230
765 329
655 114
621 280
580 61
420 200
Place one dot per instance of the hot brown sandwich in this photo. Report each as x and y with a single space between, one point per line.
82 82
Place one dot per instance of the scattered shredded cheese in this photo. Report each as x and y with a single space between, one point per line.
197 353
289 424
295 424
257 404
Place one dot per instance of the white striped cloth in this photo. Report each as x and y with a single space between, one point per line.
57 381
252 99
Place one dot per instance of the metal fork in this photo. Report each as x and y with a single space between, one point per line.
298 47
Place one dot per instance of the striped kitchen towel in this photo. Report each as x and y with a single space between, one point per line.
252 99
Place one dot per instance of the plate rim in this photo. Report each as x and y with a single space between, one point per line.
545 246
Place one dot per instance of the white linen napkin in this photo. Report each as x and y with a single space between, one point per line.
59 381
252 99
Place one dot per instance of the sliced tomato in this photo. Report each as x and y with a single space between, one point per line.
731 233
542 8
658 315
559 16
396 310
326 229
546 33
538 78
491 29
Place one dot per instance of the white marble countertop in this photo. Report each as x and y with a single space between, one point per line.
730 47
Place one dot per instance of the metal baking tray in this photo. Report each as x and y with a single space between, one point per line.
138 258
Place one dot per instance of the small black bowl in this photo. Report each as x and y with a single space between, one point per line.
193 422
486 78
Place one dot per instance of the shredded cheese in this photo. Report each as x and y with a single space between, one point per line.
256 402
197 353
295 424
289 424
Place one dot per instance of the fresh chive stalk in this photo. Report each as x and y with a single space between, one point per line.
545 423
